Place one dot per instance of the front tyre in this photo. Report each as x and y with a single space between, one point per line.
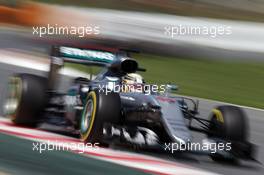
228 123
26 99
99 109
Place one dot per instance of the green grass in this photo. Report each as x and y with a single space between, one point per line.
234 82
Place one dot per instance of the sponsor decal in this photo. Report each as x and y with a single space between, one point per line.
166 99
92 55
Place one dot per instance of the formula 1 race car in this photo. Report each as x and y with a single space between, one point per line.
118 107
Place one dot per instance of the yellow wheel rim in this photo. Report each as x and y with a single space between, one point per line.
88 116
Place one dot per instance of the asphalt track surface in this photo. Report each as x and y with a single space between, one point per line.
256 120
17 157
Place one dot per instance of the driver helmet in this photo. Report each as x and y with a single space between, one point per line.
132 78
133 82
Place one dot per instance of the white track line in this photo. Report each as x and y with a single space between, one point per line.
225 103
142 162
241 106
35 63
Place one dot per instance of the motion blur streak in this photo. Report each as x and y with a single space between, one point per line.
147 28
145 163
22 51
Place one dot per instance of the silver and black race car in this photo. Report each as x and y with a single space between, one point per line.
118 107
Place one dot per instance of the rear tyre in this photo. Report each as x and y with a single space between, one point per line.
26 99
228 123
99 109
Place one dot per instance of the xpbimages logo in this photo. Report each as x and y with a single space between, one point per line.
141 88
63 146
207 146
79 31
174 31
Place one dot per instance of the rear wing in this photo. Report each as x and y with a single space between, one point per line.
62 54
83 56
94 57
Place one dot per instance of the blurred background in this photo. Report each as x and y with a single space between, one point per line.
211 49
226 67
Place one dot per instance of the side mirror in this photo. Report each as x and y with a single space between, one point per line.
171 87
